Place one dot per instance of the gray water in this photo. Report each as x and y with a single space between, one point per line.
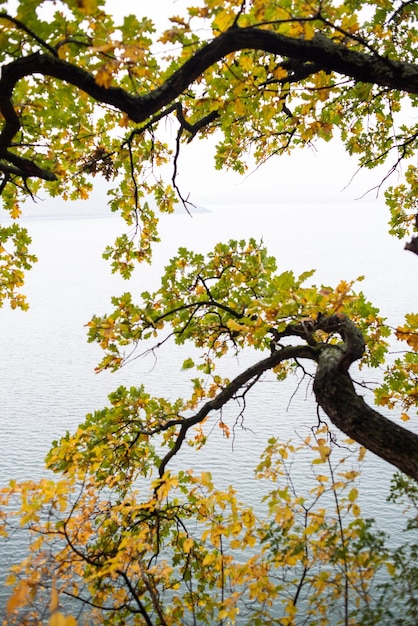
47 374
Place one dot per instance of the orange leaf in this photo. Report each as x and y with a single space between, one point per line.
58 619
18 597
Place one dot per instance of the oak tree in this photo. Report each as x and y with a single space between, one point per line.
120 531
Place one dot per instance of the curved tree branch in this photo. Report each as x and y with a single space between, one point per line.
334 391
321 51
413 244
229 392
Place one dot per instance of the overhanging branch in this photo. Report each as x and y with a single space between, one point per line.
321 51
334 391
229 392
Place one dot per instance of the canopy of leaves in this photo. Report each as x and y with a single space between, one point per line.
264 76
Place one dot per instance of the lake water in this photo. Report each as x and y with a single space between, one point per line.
47 367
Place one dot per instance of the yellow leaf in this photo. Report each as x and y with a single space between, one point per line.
361 453
409 333
405 417
57 619
208 560
324 451
391 569
233 325
104 77
165 484
322 478
280 73
250 540
187 545
223 20
53 604
352 496
18 597
15 211
236 528
124 121
206 479
248 519
225 429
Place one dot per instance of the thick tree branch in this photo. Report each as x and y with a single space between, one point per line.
336 395
23 167
327 54
320 50
412 245
334 391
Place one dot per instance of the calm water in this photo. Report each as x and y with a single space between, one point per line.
46 370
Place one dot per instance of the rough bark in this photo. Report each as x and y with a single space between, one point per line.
336 395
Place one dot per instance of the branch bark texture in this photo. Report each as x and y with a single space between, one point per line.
321 51
336 395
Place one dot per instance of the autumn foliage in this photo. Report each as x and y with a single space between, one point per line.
118 534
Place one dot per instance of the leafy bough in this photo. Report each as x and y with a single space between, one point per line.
234 299
334 391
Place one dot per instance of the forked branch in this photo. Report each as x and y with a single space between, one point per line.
334 391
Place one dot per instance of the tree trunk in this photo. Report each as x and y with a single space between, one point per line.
336 395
